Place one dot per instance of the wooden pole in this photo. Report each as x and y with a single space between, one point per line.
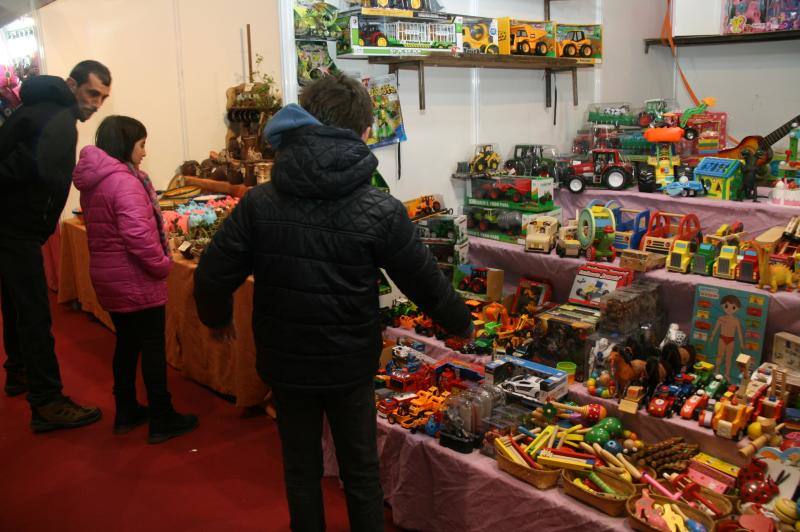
249 56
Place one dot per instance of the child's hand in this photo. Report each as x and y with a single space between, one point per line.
225 334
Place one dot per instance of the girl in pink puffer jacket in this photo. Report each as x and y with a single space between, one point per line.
129 261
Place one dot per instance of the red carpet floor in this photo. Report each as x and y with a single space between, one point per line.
227 475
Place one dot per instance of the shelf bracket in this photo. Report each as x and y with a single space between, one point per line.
548 88
575 87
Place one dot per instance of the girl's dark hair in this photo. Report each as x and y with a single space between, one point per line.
117 136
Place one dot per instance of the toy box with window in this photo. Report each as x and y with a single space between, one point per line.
424 206
502 224
614 114
594 280
480 35
527 381
523 37
442 228
481 284
394 7
583 42
515 193
744 16
783 15
447 253
566 330
532 294
369 32
315 20
711 133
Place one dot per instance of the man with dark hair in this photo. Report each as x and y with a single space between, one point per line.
315 238
37 156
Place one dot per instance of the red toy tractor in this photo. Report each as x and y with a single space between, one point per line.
476 282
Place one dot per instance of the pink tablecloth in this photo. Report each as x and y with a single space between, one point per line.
433 488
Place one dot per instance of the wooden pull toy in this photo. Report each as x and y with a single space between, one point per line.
674 521
592 412
646 511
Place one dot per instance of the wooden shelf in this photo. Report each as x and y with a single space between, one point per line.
701 40
549 65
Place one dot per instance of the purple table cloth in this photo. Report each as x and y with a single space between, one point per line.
430 487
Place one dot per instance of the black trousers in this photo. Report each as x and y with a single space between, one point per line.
142 332
351 414
27 338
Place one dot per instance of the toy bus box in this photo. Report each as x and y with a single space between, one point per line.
503 225
531 296
480 35
481 284
515 193
369 32
583 42
594 280
441 228
712 132
424 206
525 37
449 253
567 330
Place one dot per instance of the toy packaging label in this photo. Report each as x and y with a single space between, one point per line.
502 225
313 61
744 16
481 284
583 42
365 34
480 35
387 127
523 37
515 193
592 283
726 323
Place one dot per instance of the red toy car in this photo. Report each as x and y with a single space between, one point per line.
661 403
694 405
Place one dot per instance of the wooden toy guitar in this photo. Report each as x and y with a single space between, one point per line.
755 143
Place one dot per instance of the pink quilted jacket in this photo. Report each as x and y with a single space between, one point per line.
127 263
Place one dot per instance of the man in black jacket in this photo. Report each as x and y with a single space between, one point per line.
315 238
37 156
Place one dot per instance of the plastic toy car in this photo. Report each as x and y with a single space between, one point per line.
515 190
685 186
392 403
530 160
527 387
694 405
604 168
475 283
575 43
486 159
662 402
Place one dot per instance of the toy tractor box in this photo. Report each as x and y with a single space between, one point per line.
439 228
502 224
515 193
449 253
583 42
315 20
523 37
567 329
481 284
480 35
424 206
378 32
614 114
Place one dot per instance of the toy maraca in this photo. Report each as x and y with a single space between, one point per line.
592 412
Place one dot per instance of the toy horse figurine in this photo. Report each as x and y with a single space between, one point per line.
624 371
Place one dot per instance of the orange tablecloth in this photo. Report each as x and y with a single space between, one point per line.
227 368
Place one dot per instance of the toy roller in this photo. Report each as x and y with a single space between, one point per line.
593 412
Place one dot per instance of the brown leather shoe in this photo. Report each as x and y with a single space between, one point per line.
63 413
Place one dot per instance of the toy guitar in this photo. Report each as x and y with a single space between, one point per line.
757 144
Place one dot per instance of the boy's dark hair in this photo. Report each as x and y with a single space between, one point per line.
80 72
117 136
339 101
732 299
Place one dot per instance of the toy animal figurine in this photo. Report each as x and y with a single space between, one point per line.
749 189
623 370
772 276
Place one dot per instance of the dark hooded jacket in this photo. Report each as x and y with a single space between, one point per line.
37 156
314 238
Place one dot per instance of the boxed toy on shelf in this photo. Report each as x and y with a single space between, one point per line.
367 32
449 253
581 41
615 114
744 16
480 35
443 228
502 224
481 284
424 206
522 37
527 194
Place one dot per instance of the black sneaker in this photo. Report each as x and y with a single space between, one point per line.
16 383
128 419
63 413
171 425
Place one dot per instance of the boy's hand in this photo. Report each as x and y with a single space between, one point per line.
225 334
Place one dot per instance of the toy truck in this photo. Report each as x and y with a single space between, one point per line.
575 43
747 269
527 40
485 160
605 167
541 234
631 225
680 256
567 243
530 160
475 283
704 258
665 228
727 262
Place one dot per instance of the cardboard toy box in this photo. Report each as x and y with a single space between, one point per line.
523 37
380 32
481 284
480 35
515 193
583 42
567 333
501 224
744 16
449 253
443 228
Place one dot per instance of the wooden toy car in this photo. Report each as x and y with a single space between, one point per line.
726 263
541 234
662 402
665 228
680 257
694 405
630 403
747 269
703 260
730 420
567 244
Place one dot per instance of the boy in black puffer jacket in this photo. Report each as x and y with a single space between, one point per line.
314 239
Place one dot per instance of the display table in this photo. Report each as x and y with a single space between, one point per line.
211 186
430 487
227 368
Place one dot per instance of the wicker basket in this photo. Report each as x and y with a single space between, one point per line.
690 512
720 501
612 507
542 479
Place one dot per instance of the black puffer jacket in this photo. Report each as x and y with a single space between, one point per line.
37 156
314 238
